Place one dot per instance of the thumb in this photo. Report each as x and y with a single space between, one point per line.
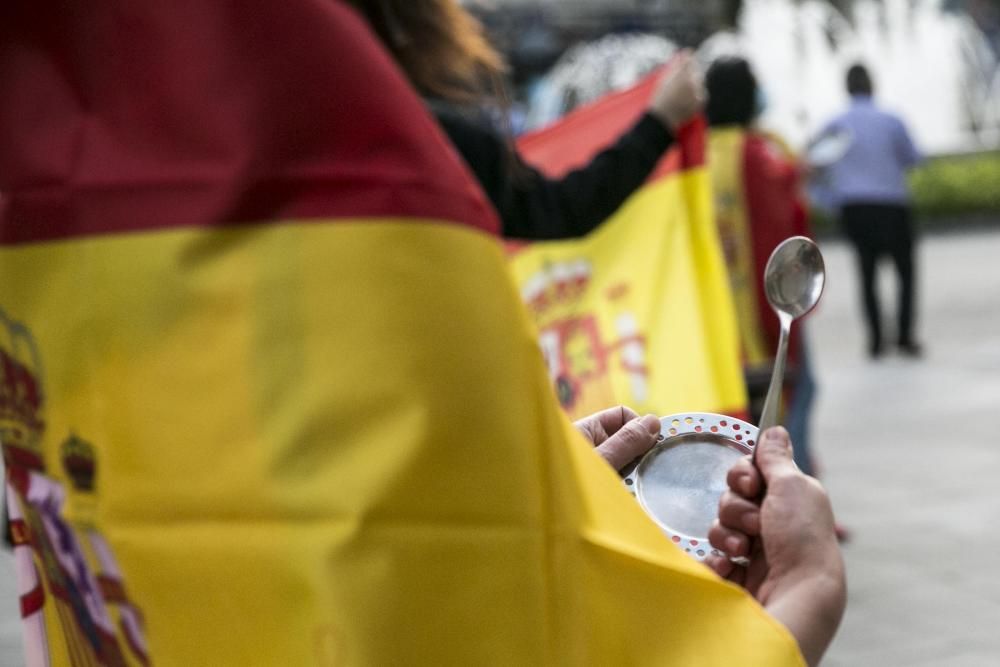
774 454
633 439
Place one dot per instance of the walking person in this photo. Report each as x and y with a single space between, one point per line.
758 204
868 185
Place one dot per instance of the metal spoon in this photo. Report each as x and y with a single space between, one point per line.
679 481
793 281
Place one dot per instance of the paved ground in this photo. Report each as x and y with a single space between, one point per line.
911 457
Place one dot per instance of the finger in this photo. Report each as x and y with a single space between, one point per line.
698 81
598 426
774 454
738 513
744 479
721 565
726 569
677 66
615 418
632 440
732 542
591 430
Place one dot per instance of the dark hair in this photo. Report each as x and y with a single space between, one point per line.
732 92
859 82
439 45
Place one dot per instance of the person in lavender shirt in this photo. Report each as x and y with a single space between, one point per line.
868 186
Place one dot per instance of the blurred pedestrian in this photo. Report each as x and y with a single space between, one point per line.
442 50
868 186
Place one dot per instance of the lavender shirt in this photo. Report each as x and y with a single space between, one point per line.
873 171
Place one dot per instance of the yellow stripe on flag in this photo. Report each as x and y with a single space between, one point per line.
725 155
313 450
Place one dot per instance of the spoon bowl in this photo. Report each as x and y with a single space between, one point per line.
794 277
793 282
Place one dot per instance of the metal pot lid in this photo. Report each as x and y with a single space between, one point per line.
679 481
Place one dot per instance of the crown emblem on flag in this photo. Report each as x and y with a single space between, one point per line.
79 462
21 395
557 283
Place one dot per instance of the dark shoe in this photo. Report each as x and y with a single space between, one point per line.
875 350
912 350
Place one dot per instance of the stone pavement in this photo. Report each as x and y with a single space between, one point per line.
910 450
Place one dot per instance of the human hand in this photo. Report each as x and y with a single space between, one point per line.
681 92
619 434
795 568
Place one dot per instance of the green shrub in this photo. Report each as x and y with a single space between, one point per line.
947 190
957 186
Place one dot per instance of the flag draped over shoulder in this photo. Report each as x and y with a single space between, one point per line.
639 312
268 396
726 148
758 205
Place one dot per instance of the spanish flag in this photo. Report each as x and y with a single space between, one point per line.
269 396
640 311
758 204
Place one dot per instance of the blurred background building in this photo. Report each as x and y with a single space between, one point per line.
935 62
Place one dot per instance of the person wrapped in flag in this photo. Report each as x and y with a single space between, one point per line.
758 204
273 400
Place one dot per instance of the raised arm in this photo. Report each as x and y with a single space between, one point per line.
533 206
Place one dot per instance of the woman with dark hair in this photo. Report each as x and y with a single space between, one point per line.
445 55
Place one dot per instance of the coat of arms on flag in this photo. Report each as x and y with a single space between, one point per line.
640 311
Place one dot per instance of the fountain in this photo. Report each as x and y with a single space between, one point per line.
591 70
933 67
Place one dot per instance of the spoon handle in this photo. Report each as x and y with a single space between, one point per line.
769 415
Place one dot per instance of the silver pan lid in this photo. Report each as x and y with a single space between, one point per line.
679 481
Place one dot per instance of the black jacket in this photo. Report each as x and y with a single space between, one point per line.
532 206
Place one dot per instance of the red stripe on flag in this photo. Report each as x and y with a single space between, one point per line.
203 115
112 589
29 217
18 457
20 533
574 140
32 601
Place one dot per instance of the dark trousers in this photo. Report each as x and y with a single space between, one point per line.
877 230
